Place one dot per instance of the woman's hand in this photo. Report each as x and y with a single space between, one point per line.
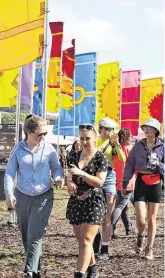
11 202
75 171
72 188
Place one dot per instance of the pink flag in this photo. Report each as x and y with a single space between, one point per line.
130 102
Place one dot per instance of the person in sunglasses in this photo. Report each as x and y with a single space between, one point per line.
86 208
108 143
147 157
32 160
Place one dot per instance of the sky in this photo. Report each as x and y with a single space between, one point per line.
130 31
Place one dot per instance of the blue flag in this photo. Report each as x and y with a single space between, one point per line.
85 97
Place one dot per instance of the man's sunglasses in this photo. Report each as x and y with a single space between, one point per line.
39 134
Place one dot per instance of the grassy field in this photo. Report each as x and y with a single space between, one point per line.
60 248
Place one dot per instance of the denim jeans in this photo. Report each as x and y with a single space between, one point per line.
110 183
33 213
122 209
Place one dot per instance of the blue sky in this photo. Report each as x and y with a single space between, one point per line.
131 31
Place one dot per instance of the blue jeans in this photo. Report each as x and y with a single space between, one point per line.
110 183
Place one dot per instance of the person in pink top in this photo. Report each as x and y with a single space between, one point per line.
122 203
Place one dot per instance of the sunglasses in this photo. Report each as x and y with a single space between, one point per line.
147 128
39 134
86 126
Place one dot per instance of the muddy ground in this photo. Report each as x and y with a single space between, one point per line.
60 249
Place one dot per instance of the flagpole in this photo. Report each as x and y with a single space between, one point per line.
32 87
59 98
121 91
45 66
18 106
96 107
74 99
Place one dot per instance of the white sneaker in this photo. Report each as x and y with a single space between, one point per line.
103 257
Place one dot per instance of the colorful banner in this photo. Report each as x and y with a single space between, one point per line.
54 70
130 101
21 32
68 67
152 99
27 85
108 91
38 88
85 97
8 88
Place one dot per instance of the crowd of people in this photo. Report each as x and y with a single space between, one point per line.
102 173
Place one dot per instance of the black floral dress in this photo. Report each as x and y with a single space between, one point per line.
91 209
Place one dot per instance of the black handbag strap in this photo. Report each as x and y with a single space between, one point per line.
106 147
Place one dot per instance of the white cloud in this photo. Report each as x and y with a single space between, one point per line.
155 15
91 34
126 3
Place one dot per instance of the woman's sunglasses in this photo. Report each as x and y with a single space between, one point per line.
39 134
86 126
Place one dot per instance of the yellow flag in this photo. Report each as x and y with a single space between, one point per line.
8 88
151 100
21 32
108 91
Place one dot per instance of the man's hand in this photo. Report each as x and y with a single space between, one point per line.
11 201
114 138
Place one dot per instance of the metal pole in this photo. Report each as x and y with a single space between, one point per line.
140 99
59 98
18 106
45 66
74 99
121 91
32 87
96 106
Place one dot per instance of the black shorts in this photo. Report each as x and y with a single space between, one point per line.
147 193
91 210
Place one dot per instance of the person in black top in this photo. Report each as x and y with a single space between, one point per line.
86 208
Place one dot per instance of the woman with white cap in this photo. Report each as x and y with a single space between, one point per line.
147 156
108 143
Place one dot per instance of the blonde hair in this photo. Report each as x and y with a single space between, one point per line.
32 122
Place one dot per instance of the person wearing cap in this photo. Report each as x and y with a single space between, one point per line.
86 208
108 143
147 157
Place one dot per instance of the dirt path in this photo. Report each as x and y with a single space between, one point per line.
60 249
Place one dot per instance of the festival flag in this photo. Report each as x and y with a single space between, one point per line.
85 97
27 85
8 88
152 99
54 70
108 91
68 67
38 88
130 101
21 32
